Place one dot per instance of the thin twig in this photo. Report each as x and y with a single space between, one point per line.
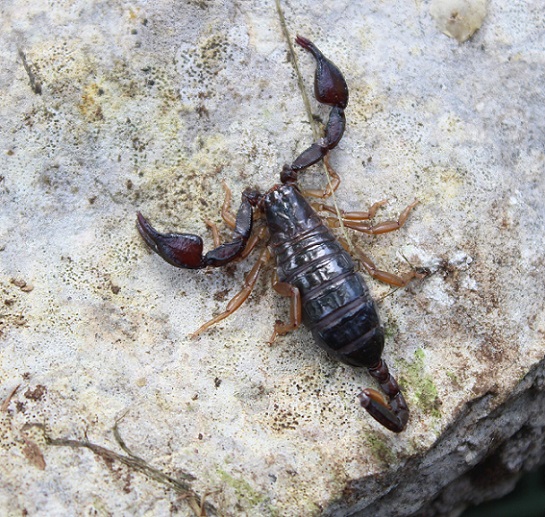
295 63
312 122
35 84
197 503
7 400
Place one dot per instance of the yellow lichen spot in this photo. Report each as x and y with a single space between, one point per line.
458 19
380 449
141 382
452 181
90 105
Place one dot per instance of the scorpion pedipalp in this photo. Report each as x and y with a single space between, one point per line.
329 88
184 250
178 249
329 84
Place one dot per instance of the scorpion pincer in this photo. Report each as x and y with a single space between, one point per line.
313 267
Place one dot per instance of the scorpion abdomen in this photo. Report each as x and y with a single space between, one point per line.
336 304
348 327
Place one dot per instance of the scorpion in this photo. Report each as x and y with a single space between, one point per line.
313 267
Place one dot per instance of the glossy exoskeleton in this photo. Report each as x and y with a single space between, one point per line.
313 267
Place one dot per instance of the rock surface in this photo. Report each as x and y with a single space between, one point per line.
112 107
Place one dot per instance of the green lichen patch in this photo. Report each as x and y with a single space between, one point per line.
380 448
418 385
242 488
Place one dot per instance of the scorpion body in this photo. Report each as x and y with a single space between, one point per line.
336 305
312 266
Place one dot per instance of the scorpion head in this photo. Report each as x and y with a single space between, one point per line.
253 196
287 211
288 176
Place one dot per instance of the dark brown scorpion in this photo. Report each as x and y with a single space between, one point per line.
312 266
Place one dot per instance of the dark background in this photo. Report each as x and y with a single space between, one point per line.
527 500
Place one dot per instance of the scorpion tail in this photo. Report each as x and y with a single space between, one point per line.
392 414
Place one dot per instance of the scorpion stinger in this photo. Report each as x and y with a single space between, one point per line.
393 414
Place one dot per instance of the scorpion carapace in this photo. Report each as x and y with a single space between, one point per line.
313 267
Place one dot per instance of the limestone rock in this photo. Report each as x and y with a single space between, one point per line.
112 107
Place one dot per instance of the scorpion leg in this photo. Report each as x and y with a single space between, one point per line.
329 88
228 217
253 241
353 220
185 250
331 186
296 308
379 274
384 276
226 214
348 216
383 227
241 296
392 414
215 232
230 220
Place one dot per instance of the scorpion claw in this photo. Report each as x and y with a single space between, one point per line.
329 84
179 249
329 88
185 249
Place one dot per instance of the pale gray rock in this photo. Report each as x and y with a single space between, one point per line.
112 107
458 18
